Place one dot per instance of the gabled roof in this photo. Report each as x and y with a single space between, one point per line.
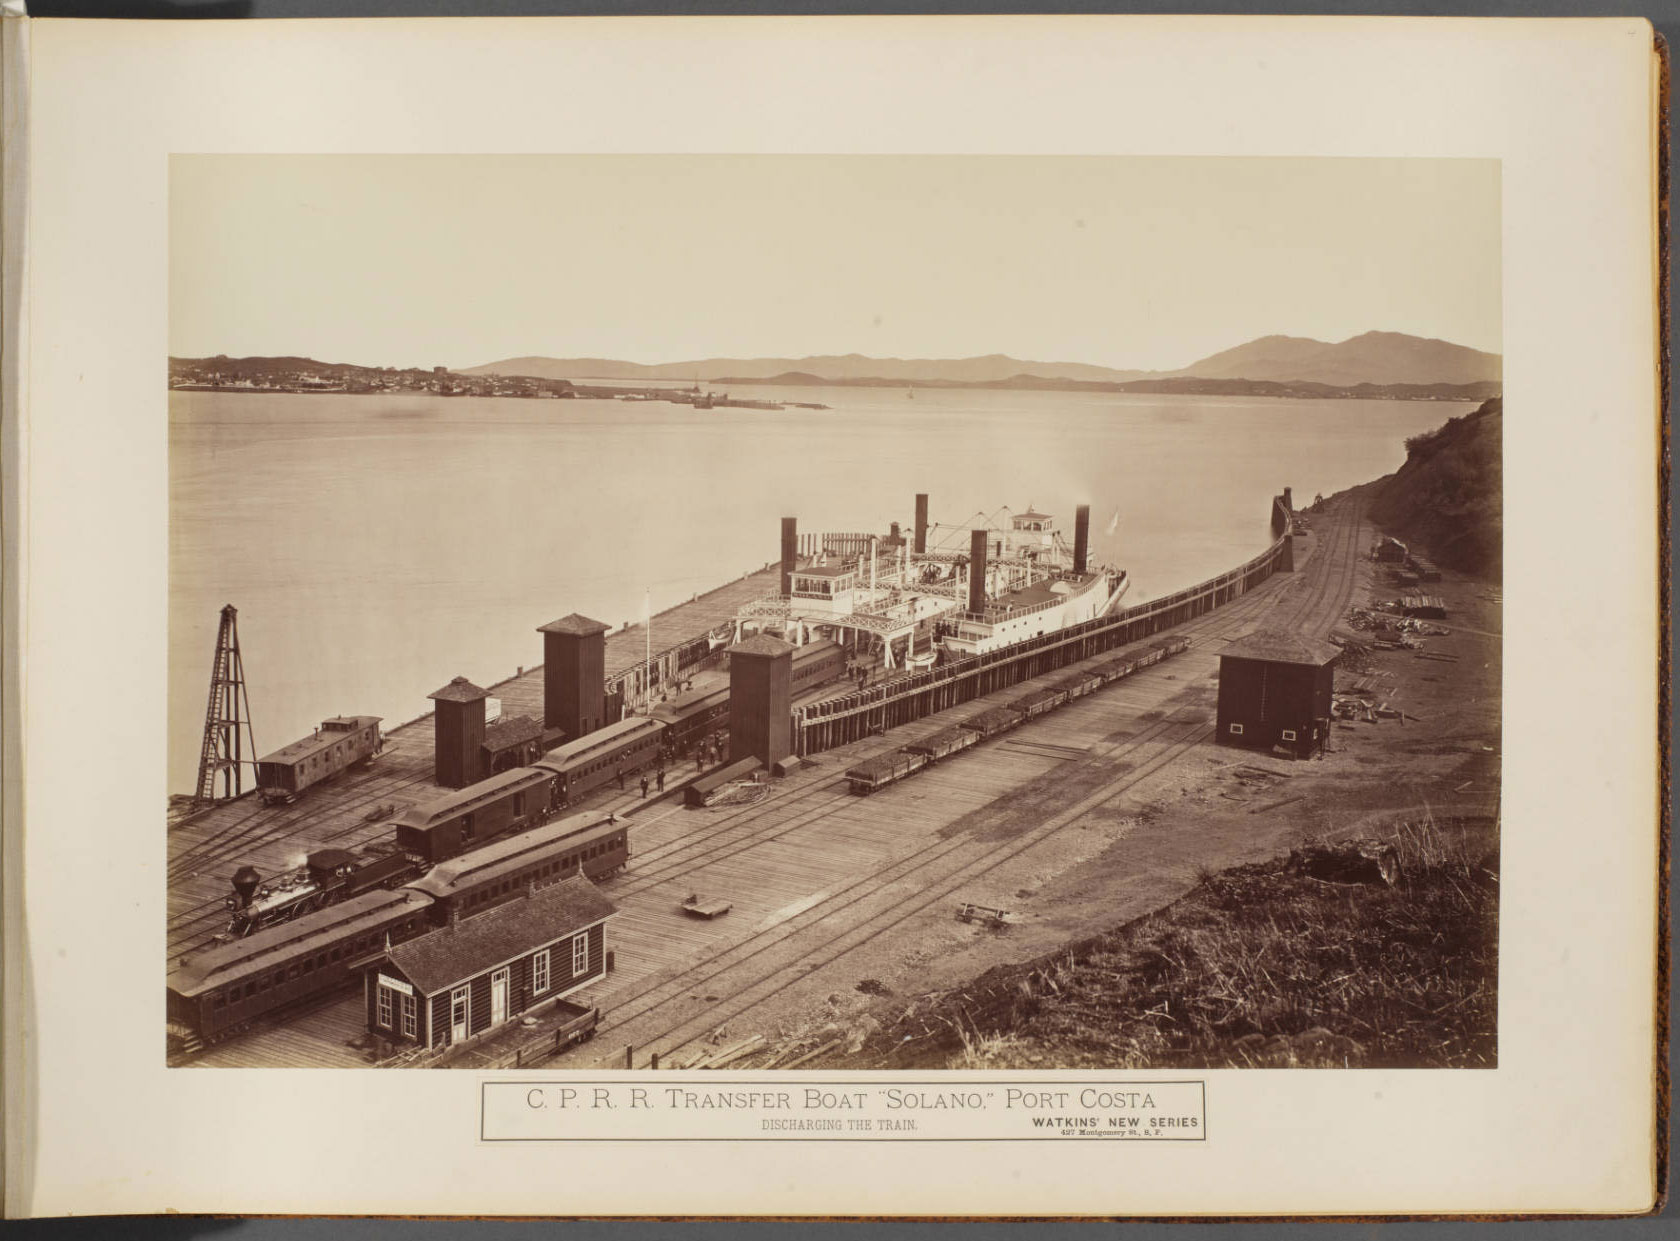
576 625
761 644
1281 648
459 690
453 954
515 730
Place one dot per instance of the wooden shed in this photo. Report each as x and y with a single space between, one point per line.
1275 693
474 975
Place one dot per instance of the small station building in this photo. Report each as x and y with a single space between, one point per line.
1275 693
476 974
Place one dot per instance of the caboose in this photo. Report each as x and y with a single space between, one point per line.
341 741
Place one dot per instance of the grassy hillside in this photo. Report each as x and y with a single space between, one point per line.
1448 498
1257 966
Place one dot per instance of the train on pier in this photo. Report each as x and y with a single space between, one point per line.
340 743
348 918
876 773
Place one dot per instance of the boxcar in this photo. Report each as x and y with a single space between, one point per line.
992 721
597 759
875 773
339 742
945 741
222 990
597 843
510 801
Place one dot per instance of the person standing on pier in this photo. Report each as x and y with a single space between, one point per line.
644 788
621 779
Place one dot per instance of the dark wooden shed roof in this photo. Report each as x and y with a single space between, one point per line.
578 626
514 731
1281 648
453 954
459 690
761 644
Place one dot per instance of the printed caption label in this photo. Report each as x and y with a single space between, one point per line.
648 1109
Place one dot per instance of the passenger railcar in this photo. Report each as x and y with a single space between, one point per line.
600 757
816 664
222 990
340 742
595 844
510 801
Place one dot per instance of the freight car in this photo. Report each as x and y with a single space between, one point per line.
600 757
945 742
877 773
340 742
222 990
992 721
595 844
1039 702
510 801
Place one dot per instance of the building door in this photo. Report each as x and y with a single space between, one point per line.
499 996
458 1008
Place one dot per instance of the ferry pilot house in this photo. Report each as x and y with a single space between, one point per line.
474 975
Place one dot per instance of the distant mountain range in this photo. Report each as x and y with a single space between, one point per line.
1381 359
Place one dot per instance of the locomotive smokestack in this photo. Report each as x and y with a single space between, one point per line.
921 523
977 541
790 552
245 881
1081 536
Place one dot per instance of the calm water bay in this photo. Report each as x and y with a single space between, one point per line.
378 545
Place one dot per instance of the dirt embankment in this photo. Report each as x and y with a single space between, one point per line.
1259 966
1447 499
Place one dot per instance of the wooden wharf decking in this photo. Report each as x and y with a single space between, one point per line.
813 852
206 849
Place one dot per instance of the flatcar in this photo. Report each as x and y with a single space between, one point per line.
326 877
877 773
600 757
510 801
594 843
340 742
223 989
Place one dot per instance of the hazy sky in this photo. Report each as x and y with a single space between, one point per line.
1126 262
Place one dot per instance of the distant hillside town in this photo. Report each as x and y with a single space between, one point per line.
307 375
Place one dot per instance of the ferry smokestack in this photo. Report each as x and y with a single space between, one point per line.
1288 500
921 524
1081 536
977 541
790 552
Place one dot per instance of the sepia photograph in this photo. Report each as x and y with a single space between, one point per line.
834 612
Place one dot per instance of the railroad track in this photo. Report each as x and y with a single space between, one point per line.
937 870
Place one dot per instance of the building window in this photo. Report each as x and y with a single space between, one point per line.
384 1017
580 954
410 1016
1236 730
1289 734
539 972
